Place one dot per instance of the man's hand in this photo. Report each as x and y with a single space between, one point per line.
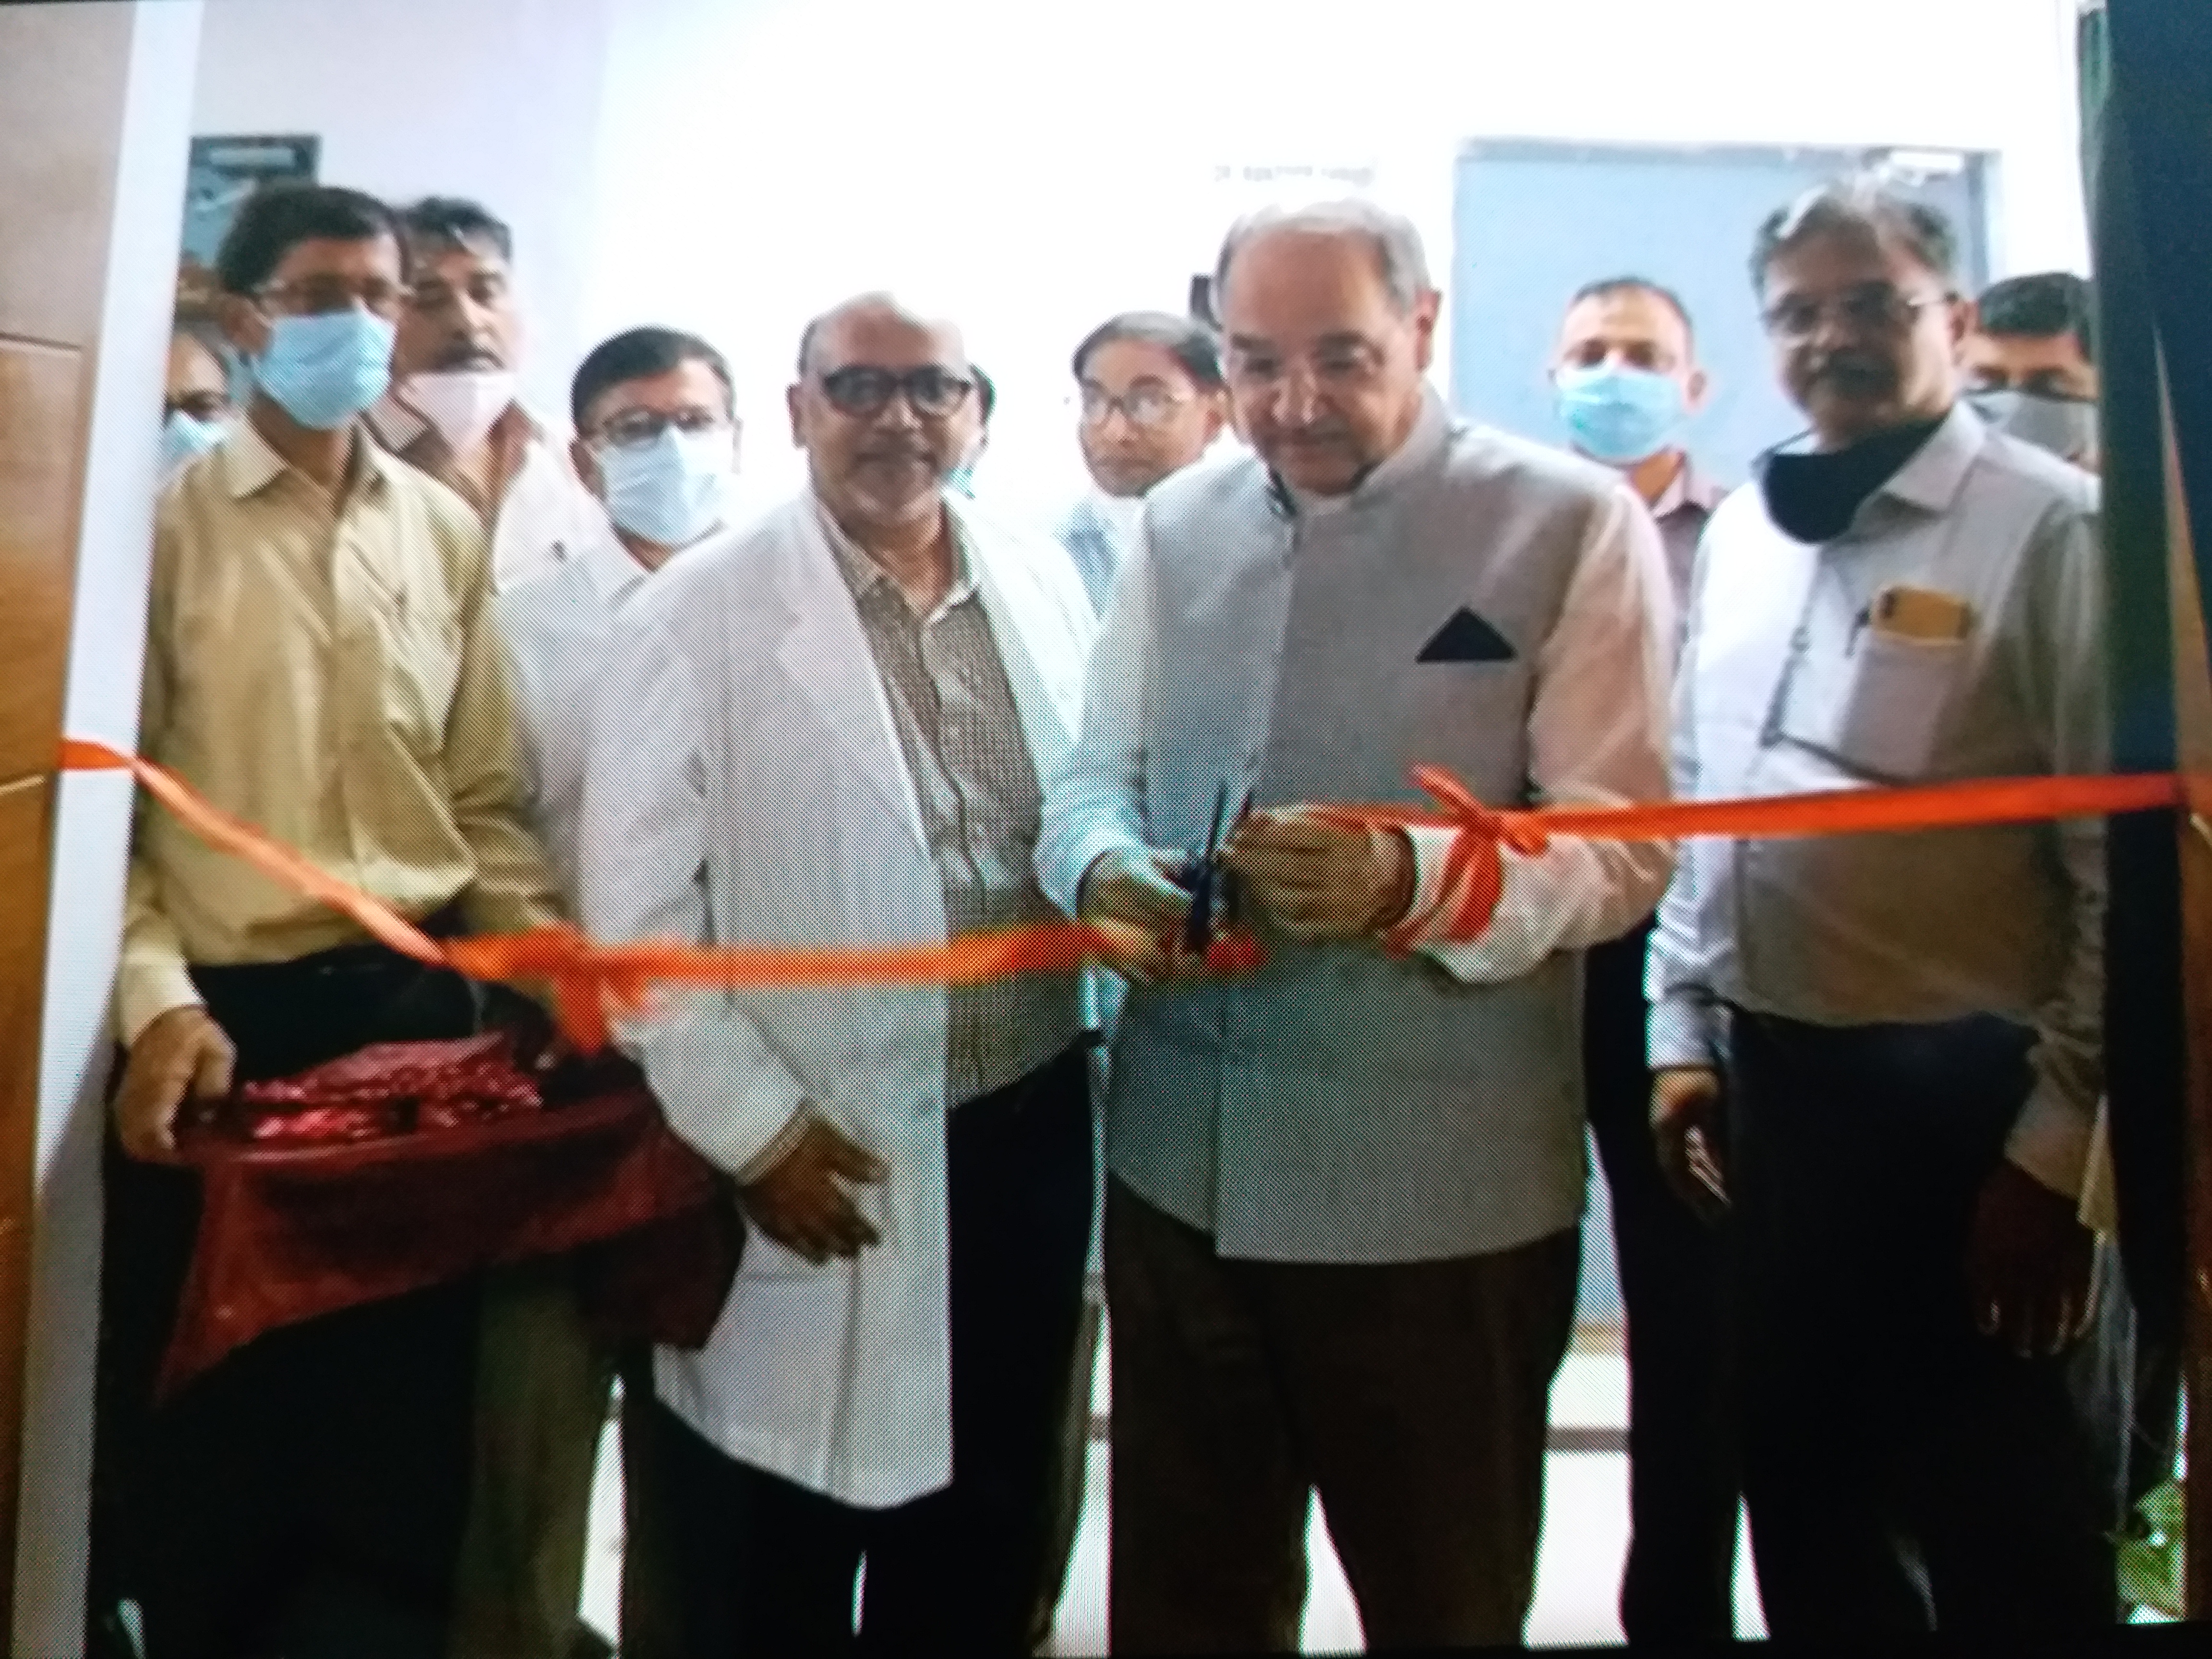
1686 1128
181 1051
802 1204
2028 1264
1320 879
1129 896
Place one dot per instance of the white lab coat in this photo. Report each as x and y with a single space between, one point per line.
746 785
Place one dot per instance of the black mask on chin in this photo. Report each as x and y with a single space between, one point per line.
1813 497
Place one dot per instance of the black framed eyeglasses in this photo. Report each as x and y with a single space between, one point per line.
637 428
931 391
326 296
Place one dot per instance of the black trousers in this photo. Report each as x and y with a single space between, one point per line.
306 1495
1903 1472
760 1565
1679 1581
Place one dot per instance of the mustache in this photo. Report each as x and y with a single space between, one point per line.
1851 370
462 358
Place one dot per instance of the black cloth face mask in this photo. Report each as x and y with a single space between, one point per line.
1813 497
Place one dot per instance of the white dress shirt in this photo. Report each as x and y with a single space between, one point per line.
546 515
1786 688
557 624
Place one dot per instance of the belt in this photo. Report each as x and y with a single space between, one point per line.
344 960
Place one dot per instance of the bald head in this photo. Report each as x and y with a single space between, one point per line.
882 409
877 308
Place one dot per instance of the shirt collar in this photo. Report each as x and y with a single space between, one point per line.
862 573
1689 488
1931 480
1422 445
1117 515
250 466
397 427
612 569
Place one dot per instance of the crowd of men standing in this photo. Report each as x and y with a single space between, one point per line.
1845 1093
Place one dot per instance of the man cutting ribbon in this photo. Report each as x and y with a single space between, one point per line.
1365 1161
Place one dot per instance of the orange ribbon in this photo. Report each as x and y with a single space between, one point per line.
1473 875
592 981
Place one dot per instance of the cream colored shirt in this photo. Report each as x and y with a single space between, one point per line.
329 672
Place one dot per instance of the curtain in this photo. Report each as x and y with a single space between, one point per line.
2147 156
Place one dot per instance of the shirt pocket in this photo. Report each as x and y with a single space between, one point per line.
1897 692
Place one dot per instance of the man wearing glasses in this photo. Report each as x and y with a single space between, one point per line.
1909 1026
1150 402
451 410
321 662
1344 1192
657 442
832 729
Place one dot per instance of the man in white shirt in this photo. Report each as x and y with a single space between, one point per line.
1151 401
452 409
1909 1025
542 1383
1625 370
1342 1225
832 729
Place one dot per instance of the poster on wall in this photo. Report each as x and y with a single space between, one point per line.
222 173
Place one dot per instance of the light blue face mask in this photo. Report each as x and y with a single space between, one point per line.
1622 415
671 491
325 370
184 439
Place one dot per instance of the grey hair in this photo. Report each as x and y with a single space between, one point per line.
1399 258
1860 205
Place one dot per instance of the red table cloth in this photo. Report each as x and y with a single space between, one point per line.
445 1185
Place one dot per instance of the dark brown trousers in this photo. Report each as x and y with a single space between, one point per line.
1413 1399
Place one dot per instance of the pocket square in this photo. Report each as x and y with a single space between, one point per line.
1466 638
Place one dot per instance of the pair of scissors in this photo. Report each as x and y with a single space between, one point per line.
1207 880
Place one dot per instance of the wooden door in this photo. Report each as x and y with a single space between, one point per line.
64 71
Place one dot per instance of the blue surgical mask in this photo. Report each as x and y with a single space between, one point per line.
1622 415
671 491
184 439
325 370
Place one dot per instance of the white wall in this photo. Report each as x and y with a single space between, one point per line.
494 99
92 830
733 165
